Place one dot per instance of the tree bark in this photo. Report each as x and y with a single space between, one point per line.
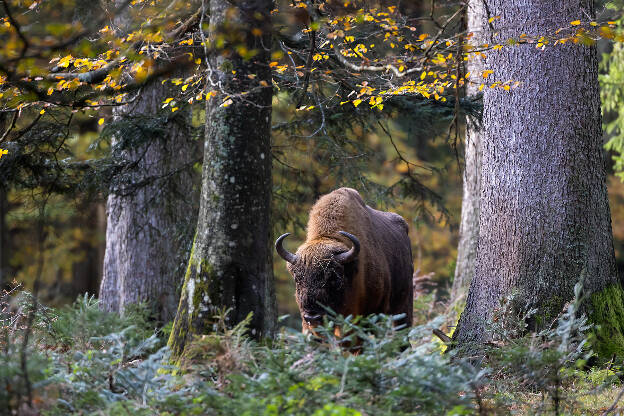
469 225
230 267
86 273
544 219
5 270
151 211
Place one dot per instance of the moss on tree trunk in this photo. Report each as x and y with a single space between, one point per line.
544 214
607 314
230 267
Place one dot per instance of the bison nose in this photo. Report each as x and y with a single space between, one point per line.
313 319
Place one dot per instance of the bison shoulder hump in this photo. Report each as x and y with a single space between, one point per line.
399 222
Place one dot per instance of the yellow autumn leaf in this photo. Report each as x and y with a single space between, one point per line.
487 73
140 74
65 61
575 22
3 152
184 87
100 121
264 83
168 100
42 111
356 102
174 109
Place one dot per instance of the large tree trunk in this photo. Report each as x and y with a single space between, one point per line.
544 218
150 211
230 265
469 225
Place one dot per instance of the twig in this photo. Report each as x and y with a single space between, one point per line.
189 22
27 128
17 28
371 68
398 152
89 77
433 2
477 392
442 29
614 405
308 67
343 379
11 127
445 338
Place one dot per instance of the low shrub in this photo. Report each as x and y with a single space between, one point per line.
85 361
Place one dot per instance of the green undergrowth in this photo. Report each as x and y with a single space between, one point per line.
85 361
607 314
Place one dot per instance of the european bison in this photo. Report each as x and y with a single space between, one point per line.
355 260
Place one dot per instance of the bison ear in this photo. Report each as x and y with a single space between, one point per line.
350 270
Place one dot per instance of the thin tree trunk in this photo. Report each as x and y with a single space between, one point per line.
150 215
230 266
469 225
5 271
87 271
544 220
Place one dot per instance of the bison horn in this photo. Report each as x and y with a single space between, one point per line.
285 254
351 254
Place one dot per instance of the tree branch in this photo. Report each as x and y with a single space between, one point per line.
370 68
17 28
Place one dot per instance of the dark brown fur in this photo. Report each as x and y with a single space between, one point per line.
378 281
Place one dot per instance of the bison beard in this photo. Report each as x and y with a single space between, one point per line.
355 260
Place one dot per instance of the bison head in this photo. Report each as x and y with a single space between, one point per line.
323 272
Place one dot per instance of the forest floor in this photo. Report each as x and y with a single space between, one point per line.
81 361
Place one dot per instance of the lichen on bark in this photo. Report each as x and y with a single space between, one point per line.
544 214
471 184
231 268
